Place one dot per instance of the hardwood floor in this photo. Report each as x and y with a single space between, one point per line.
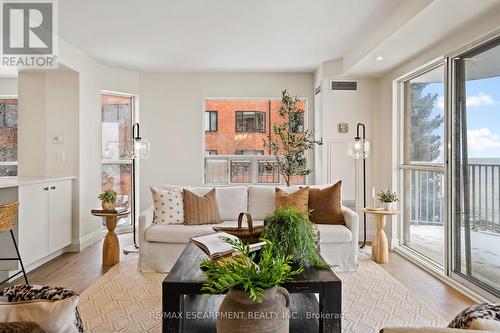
445 300
78 271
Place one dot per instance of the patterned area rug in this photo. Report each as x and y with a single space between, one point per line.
124 300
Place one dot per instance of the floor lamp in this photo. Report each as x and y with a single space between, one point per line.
360 149
140 149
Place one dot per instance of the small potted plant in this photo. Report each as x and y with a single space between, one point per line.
108 199
292 234
388 199
252 286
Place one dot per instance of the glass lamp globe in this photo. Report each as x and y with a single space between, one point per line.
358 149
141 149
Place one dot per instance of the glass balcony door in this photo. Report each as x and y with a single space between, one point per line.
476 167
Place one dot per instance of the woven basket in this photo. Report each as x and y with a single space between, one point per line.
248 235
8 215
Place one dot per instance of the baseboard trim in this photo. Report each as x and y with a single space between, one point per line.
86 241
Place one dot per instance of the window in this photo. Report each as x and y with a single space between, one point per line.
250 121
116 167
8 136
235 153
297 122
211 121
422 167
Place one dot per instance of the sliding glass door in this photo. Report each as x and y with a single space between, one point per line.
423 164
476 166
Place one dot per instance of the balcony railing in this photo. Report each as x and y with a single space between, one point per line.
485 197
426 197
244 169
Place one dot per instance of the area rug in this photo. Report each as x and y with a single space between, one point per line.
125 300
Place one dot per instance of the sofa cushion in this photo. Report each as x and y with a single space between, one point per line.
334 233
168 205
298 199
182 234
261 201
326 205
200 209
232 201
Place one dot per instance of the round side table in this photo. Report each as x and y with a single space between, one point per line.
380 246
111 245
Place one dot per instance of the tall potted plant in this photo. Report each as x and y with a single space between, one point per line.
253 286
292 142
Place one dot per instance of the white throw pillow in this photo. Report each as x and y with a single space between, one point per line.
52 316
232 200
168 206
261 201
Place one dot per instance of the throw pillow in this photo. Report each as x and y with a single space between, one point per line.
200 209
168 206
326 205
484 311
53 308
298 199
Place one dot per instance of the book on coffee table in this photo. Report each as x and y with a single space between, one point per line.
215 247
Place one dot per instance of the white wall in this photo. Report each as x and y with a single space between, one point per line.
171 117
385 125
8 86
351 107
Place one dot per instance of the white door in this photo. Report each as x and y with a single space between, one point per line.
59 215
33 222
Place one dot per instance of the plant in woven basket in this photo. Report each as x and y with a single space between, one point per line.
245 272
292 142
292 234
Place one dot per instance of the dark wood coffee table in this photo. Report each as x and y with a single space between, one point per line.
184 309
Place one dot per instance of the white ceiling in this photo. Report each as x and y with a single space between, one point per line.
219 35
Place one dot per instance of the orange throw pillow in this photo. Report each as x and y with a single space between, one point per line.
200 209
326 205
298 199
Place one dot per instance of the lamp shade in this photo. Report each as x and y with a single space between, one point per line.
141 149
358 149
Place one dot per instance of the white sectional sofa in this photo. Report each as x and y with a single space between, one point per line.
161 244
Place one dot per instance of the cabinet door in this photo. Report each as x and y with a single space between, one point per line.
33 222
59 215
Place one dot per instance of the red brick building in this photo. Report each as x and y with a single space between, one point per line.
241 126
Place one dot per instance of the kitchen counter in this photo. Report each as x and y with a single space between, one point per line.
6 182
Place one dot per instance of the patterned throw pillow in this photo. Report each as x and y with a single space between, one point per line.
481 312
27 292
168 206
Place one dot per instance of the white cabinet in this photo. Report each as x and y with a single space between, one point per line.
44 219
59 217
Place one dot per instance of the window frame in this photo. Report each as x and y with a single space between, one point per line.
134 103
12 163
405 164
210 129
255 121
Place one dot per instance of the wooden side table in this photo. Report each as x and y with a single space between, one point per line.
111 245
380 246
